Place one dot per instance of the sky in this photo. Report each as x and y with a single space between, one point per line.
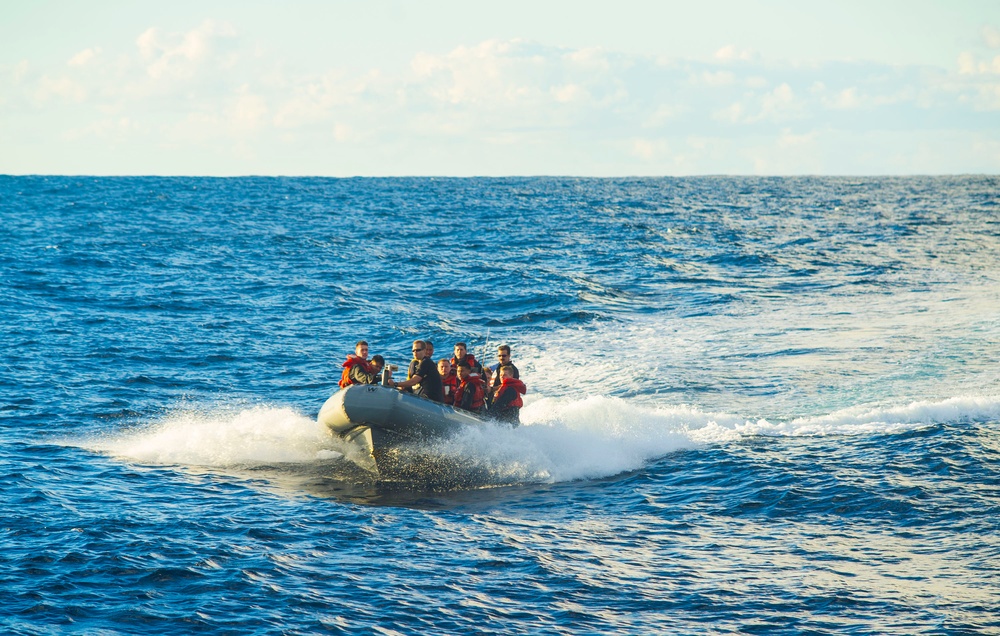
470 88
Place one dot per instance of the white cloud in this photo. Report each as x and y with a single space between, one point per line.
732 53
63 88
644 148
777 105
84 57
991 36
969 64
112 129
342 132
788 139
717 78
780 104
731 114
663 114
312 101
846 99
569 93
517 74
987 99
593 59
248 110
476 74
183 55
19 71
511 103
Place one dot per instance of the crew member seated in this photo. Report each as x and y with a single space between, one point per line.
377 364
462 353
471 392
449 381
507 403
356 369
425 381
492 372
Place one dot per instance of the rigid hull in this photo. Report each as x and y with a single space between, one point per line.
382 424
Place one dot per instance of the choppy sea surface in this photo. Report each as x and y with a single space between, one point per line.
756 405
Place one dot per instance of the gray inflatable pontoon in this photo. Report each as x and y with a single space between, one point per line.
378 421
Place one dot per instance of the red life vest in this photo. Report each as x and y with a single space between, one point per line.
475 384
512 384
351 362
471 359
449 384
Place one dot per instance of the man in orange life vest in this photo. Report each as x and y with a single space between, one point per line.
471 392
449 381
357 369
507 402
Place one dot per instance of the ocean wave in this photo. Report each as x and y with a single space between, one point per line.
221 438
889 419
561 439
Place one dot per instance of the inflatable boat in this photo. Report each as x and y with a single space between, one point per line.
386 428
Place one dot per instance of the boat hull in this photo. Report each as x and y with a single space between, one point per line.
381 424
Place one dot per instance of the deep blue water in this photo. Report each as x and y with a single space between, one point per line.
756 405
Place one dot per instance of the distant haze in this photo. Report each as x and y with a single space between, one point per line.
500 88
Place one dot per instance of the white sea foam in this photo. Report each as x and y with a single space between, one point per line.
861 420
788 355
224 437
560 439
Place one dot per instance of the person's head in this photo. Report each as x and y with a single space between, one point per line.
361 349
506 371
419 351
503 354
377 363
428 348
444 366
463 369
460 350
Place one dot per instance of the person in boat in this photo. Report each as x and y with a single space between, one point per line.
449 381
412 370
377 364
357 369
425 380
493 372
507 401
462 353
471 393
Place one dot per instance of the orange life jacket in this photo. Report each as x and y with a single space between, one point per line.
471 359
449 384
351 362
512 384
475 384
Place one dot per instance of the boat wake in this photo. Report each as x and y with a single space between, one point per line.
560 440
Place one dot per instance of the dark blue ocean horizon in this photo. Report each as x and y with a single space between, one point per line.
756 405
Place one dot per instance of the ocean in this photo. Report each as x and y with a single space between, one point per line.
755 405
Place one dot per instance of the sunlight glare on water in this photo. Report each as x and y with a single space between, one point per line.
754 405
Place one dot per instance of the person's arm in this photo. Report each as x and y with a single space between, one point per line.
413 381
360 376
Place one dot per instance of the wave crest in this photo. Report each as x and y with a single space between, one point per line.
561 439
